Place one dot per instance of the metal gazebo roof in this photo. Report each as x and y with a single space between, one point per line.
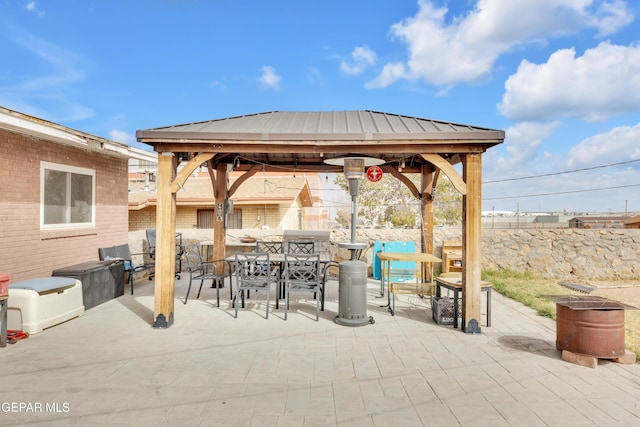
305 139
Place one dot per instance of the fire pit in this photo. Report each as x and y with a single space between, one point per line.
590 328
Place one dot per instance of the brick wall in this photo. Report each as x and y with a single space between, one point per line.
26 251
142 219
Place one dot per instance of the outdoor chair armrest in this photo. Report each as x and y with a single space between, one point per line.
325 274
227 270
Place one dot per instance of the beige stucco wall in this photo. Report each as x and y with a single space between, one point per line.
28 252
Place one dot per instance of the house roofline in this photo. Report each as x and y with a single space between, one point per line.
15 121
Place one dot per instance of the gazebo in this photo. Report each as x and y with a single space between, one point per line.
303 142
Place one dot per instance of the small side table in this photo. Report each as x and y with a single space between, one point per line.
3 320
455 284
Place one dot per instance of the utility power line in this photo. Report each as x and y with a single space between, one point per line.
561 173
563 192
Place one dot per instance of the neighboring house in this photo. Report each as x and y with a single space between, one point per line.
64 195
632 222
597 222
264 201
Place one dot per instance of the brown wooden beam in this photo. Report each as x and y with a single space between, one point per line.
280 167
402 178
188 169
212 176
426 207
472 243
238 182
219 231
445 166
165 266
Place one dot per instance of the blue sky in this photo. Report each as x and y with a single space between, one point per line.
561 77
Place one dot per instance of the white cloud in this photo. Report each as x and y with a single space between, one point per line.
121 136
618 145
465 48
32 6
572 190
389 75
604 82
362 57
522 142
611 16
269 79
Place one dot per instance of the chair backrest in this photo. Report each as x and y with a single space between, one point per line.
194 257
151 237
151 240
252 267
105 253
302 268
269 247
300 247
123 251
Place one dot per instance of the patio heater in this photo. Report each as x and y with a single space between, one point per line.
352 278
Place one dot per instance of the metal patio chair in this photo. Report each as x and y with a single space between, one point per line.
269 247
300 247
205 270
123 253
302 274
254 273
151 241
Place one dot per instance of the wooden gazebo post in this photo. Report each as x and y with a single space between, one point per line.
169 183
426 200
472 242
165 267
219 231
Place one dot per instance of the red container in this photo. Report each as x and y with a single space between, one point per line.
4 284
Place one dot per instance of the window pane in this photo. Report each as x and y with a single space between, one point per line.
55 197
67 196
205 218
234 220
81 197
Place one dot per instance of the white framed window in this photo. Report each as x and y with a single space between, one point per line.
67 196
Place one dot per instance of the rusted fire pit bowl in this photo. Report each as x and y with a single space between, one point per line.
590 325
584 329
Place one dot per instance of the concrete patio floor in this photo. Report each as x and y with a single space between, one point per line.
109 367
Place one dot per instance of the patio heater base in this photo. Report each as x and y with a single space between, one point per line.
352 290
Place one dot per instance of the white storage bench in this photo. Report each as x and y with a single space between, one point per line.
36 304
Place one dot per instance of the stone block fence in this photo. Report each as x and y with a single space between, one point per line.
553 253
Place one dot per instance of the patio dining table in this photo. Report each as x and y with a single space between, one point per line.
278 259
